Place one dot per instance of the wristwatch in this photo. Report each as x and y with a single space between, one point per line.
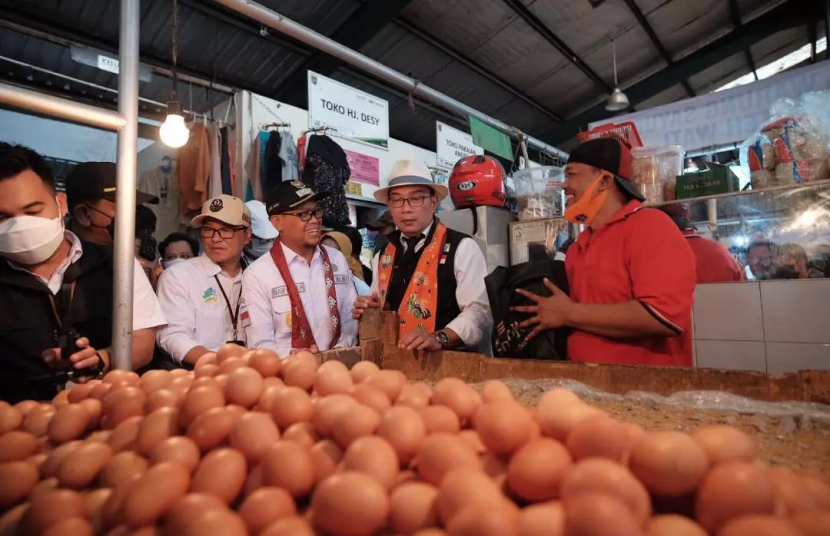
442 338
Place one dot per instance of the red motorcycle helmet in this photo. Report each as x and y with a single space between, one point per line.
477 181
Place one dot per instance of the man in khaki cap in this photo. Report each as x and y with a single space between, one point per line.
202 295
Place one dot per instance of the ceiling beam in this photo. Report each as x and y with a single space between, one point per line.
790 14
370 17
470 64
735 15
644 24
541 28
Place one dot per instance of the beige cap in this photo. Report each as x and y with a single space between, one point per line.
225 208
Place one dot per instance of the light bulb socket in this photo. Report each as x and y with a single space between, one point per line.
174 108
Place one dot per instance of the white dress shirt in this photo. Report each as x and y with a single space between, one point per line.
197 313
268 307
475 322
147 312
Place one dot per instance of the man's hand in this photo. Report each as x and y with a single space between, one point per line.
419 340
365 302
550 312
85 357
314 350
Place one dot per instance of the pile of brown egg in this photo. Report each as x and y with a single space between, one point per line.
250 444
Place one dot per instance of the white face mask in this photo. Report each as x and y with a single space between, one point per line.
30 239
173 262
259 247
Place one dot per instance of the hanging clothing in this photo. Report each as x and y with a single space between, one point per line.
273 173
225 162
193 172
215 188
288 157
301 144
327 170
255 167
168 212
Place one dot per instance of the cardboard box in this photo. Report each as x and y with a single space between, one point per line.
718 179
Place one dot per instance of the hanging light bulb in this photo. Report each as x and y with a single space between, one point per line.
618 100
174 132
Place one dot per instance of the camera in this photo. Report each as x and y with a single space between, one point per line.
66 342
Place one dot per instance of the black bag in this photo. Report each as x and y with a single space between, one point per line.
508 338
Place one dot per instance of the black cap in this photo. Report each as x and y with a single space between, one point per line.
289 194
611 155
384 221
91 181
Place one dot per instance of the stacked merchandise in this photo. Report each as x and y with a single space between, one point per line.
654 170
205 167
539 192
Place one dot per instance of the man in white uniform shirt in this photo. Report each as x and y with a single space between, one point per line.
298 296
201 296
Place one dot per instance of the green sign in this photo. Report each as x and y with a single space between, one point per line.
491 139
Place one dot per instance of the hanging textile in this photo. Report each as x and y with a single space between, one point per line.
162 184
301 143
215 187
288 156
327 170
193 172
273 174
225 162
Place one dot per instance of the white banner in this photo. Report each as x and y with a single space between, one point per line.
350 112
452 145
728 116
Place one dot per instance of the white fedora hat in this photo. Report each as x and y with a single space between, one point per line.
410 173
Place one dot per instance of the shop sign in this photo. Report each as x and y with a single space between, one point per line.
365 169
354 188
349 112
453 145
723 117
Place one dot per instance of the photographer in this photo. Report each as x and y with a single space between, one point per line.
55 290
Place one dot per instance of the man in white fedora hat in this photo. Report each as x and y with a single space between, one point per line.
432 276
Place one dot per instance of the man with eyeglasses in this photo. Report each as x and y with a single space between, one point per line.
432 276
299 296
202 296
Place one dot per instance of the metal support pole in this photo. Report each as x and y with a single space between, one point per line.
34 101
305 35
122 295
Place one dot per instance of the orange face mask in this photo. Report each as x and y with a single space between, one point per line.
586 209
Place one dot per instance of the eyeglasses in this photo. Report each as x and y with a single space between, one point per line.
225 232
398 202
306 215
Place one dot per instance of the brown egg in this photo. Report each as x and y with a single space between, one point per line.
185 509
456 395
17 446
254 480
332 380
545 519
813 523
18 479
155 428
122 468
71 422
413 507
299 370
430 532
288 465
818 488
265 506
78 393
291 405
252 434
244 387
216 521
44 486
51 507
206 371
599 514
10 520
116 376
404 429
325 455
601 437
673 525
153 380
178 449
759 525
37 460
100 390
270 387
36 422
61 399
440 419
524 476
81 467
95 501
731 490
26 406
358 422
374 456
725 443
494 519
670 464
558 419
391 382
151 496
222 473
416 396
266 362
95 409
289 526
791 492
302 433
473 441
76 526
463 488
124 435
162 398
496 390
206 381
227 351
197 401
604 476
350 503
370 396
121 404
207 359
441 453
503 425
362 370
10 419
327 410
212 428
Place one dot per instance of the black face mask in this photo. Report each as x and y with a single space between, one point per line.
110 227
786 272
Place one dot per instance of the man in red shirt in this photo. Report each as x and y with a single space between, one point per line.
714 262
631 273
